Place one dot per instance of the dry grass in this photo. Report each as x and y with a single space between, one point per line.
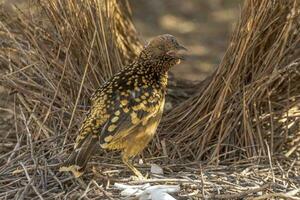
242 116
251 103
57 56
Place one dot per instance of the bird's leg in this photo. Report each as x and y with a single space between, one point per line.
126 161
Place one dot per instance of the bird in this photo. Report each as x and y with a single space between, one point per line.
126 110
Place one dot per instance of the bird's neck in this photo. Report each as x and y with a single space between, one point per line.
155 69
159 66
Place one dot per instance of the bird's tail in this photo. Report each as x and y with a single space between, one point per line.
80 156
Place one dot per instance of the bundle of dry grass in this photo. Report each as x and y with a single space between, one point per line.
55 57
250 105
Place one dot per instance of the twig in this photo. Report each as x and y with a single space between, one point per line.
175 180
280 195
241 194
102 190
30 181
81 86
270 161
202 182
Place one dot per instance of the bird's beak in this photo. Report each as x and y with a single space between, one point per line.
180 47
176 52
179 54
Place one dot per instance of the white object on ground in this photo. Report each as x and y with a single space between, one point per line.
148 192
156 169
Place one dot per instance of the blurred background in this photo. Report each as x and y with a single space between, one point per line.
204 27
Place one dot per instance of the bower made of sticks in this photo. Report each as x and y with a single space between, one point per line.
52 59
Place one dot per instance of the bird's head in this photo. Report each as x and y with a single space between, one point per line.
163 47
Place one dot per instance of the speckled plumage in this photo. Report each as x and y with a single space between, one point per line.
126 110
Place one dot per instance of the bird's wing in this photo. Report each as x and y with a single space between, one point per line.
133 111
95 118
